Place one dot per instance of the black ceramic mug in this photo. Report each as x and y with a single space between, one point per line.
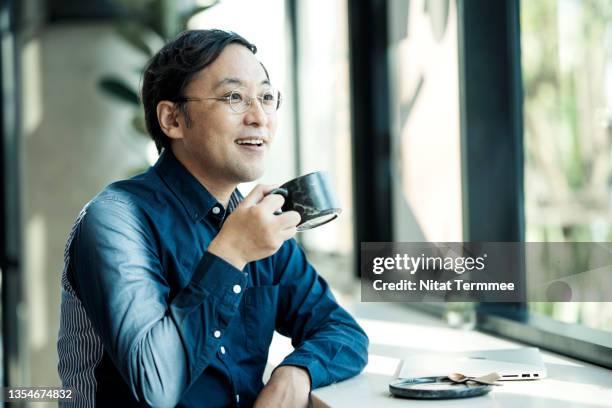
312 197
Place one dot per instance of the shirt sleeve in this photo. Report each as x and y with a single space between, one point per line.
159 345
327 341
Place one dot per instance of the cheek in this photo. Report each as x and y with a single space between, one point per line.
272 124
216 128
224 125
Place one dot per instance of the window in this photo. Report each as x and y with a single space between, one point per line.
567 79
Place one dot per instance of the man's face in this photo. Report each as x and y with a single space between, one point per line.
218 140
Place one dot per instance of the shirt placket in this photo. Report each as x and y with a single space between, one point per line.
217 215
225 356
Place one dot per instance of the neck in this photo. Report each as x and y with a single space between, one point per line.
216 186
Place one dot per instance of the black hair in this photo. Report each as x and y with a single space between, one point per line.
169 72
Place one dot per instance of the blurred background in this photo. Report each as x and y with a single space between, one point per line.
438 120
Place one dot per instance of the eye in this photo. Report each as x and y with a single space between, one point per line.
268 97
235 97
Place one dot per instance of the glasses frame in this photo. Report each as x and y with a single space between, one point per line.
247 101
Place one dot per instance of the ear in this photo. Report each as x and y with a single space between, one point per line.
168 118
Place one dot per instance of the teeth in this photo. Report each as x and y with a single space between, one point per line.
250 141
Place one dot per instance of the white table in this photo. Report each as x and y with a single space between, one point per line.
397 331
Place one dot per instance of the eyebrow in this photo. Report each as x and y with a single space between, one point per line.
236 81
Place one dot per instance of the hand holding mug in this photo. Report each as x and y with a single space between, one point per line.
252 231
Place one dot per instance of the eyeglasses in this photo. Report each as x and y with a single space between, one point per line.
239 102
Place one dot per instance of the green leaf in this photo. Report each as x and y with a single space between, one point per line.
154 22
118 89
135 34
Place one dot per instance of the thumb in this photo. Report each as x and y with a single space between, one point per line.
257 194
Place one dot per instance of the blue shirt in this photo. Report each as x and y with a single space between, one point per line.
149 317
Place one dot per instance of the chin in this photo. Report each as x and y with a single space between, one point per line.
250 174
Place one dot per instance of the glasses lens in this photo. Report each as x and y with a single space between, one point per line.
238 102
269 101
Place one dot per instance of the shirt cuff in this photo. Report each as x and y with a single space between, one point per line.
220 279
318 374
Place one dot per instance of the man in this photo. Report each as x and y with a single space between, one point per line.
174 285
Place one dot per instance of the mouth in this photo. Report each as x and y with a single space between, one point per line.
251 143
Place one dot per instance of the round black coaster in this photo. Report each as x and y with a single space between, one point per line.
435 388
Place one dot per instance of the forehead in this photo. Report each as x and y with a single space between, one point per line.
235 63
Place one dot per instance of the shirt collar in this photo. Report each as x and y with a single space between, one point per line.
196 199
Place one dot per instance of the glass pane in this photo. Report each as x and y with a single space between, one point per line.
567 74
426 133
325 134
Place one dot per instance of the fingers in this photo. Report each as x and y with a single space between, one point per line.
288 233
272 202
265 204
289 219
257 194
268 187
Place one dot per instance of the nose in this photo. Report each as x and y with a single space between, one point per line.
255 115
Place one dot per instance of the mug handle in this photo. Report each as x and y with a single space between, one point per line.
281 191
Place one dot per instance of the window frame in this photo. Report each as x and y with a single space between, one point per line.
13 349
370 122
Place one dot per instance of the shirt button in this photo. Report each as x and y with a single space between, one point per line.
216 210
222 349
217 334
237 289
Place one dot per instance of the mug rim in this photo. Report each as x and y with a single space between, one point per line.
336 211
304 176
